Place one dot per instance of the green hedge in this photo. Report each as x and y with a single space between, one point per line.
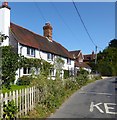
24 80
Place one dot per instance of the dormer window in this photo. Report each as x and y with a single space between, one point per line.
50 56
30 51
68 61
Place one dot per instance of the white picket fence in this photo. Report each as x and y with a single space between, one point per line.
25 100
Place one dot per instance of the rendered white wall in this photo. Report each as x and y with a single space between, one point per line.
5 23
43 55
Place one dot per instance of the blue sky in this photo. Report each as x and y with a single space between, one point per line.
99 18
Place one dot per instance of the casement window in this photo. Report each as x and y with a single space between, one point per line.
50 56
52 72
30 51
69 61
26 70
37 70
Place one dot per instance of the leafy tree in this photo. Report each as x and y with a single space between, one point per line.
12 61
113 43
107 59
9 65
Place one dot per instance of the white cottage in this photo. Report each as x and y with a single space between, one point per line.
32 45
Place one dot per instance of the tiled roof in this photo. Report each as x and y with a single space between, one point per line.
81 64
34 40
75 53
89 57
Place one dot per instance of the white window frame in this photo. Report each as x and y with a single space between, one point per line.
68 61
50 57
31 51
52 72
28 71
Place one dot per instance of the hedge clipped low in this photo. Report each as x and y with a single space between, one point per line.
24 80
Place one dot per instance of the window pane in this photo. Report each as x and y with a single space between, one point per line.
28 50
29 71
50 56
32 52
24 70
68 61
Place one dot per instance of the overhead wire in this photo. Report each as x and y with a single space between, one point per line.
39 10
78 13
62 19
44 18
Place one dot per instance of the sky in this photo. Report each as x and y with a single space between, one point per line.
68 30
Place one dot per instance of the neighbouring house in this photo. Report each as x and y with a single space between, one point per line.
89 57
79 57
32 45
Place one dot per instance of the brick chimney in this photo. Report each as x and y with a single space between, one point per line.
47 31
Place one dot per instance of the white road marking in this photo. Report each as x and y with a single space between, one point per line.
96 105
97 93
107 108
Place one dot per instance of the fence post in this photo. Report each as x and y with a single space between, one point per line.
32 98
14 97
1 104
20 102
23 102
28 100
25 94
6 98
17 102
10 96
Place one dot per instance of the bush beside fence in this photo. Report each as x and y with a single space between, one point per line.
25 100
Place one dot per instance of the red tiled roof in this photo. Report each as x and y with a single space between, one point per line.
81 64
34 40
89 57
75 53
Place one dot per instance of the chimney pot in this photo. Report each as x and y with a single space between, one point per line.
47 30
5 4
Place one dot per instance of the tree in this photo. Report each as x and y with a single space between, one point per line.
113 43
9 65
11 61
107 59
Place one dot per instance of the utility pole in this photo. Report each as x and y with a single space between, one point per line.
96 57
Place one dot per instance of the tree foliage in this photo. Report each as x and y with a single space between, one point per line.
11 61
107 59
9 65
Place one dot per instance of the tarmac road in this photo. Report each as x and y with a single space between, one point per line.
96 100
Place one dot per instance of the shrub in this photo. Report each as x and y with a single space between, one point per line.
70 84
24 80
82 79
10 110
66 74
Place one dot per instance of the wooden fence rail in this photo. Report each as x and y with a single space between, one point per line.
25 100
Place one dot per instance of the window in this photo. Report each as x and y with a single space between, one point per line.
52 72
50 56
31 51
37 70
69 61
26 70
